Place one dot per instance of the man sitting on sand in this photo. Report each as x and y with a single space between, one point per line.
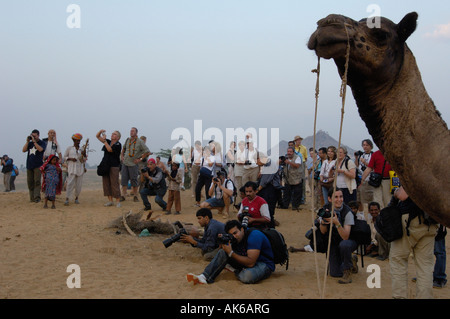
248 252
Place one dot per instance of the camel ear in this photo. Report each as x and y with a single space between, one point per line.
407 26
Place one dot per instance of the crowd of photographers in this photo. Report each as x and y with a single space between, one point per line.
256 185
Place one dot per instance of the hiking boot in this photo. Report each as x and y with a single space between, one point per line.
354 264
347 277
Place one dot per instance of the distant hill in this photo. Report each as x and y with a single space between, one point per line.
323 139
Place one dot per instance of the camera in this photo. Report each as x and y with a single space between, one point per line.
216 179
169 241
227 238
247 162
144 170
282 159
325 212
245 215
359 153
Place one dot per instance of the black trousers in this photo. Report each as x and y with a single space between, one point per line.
269 194
292 193
203 180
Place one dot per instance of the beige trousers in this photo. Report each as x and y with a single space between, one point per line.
420 243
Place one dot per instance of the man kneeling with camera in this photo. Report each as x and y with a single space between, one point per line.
221 194
249 253
155 185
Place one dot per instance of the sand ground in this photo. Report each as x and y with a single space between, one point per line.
38 245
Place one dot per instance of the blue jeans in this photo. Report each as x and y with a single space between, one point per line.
439 267
246 275
341 256
158 199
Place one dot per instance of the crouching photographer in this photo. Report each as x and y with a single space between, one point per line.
340 222
154 185
248 252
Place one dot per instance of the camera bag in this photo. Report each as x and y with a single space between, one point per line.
279 247
389 223
375 179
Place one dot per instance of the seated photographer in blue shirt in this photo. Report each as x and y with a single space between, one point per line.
248 254
209 242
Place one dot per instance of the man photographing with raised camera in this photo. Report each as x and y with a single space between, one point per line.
221 194
248 252
155 185
34 147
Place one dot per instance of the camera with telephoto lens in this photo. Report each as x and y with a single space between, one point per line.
245 215
325 212
226 238
169 241
282 159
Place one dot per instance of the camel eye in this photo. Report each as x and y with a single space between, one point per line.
380 35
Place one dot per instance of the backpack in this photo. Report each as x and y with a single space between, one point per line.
234 186
278 244
389 223
361 232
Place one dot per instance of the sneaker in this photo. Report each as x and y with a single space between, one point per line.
168 213
135 199
76 201
354 264
119 205
177 213
122 198
347 278
200 279
66 203
148 208
108 204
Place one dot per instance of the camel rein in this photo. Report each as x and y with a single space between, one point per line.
343 93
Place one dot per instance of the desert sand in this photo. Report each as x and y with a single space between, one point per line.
37 246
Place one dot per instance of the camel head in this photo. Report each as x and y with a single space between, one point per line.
376 53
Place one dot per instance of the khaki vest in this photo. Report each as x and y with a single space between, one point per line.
294 176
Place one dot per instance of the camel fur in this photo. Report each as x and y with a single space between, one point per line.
393 102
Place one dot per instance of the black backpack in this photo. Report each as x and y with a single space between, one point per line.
234 187
278 244
389 223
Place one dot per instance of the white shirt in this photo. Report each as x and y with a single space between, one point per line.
218 193
76 168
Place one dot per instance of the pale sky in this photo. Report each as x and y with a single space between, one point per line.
160 65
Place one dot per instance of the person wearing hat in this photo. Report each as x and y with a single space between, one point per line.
154 185
34 147
75 159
